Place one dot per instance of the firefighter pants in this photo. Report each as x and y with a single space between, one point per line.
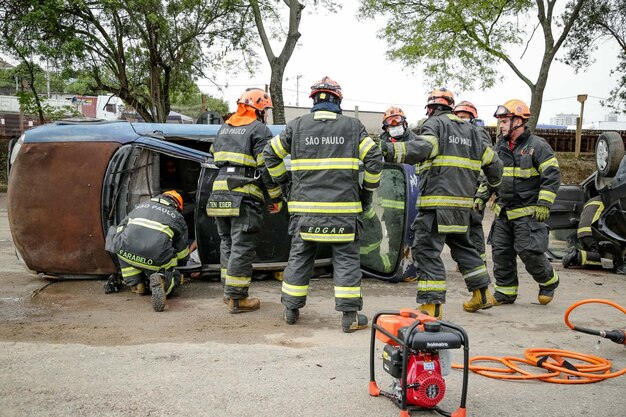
426 249
133 275
346 273
528 239
477 234
239 236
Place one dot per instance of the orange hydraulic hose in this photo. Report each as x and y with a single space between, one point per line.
553 361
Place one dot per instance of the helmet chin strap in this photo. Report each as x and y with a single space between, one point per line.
512 129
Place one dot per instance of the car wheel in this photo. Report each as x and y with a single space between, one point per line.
609 153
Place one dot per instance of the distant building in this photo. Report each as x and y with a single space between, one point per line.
372 120
564 119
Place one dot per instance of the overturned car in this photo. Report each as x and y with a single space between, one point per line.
70 181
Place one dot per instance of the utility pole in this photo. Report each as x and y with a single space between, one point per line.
579 124
298 90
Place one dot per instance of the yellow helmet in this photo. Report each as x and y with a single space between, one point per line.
512 108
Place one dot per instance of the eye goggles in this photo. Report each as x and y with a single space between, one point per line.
394 120
502 111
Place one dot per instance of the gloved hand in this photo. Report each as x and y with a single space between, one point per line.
542 213
366 199
274 208
479 205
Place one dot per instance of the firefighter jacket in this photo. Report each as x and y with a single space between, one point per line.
592 210
449 175
326 149
152 237
238 152
531 175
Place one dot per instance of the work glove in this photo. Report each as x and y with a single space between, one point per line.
542 213
366 199
479 205
274 208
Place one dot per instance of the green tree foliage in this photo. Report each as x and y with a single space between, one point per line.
460 42
600 21
139 50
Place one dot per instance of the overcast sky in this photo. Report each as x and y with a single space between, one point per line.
354 57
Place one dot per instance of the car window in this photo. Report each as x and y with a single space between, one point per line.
384 224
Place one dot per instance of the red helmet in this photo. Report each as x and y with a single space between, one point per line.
441 96
394 116
175 198
467 107
512 108
328 85
256 98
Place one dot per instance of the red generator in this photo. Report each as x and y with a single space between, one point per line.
416 354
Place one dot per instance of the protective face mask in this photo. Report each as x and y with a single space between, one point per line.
396 131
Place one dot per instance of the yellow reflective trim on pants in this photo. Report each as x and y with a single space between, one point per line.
325 207
583 230
130 271
369 214
506 290
431 285
552 280
223 212
278 170
366 144
552 162
481 270
234 157
295 290
585 261
277 146
232 281
451 228
347 292
151 224
599 209
172 263
324 164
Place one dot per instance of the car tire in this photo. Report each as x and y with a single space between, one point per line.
609 153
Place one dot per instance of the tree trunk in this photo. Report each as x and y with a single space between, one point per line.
276 91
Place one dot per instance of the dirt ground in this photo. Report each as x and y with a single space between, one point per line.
66 348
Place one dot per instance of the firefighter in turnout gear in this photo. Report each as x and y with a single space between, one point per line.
529 185
467 111
325 202
149 243
239 194
393 141
587 254
451 154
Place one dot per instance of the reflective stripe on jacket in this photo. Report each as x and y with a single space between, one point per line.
450 174
592 210
325 149
153 236
531 175
242 146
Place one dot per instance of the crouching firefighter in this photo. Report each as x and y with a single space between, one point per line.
149 243
587 253
239 192
325 202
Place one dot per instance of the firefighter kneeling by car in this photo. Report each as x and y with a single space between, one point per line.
149 243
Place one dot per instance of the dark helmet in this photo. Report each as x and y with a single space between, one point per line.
327 85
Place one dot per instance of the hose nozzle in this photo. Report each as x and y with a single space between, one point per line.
617 336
